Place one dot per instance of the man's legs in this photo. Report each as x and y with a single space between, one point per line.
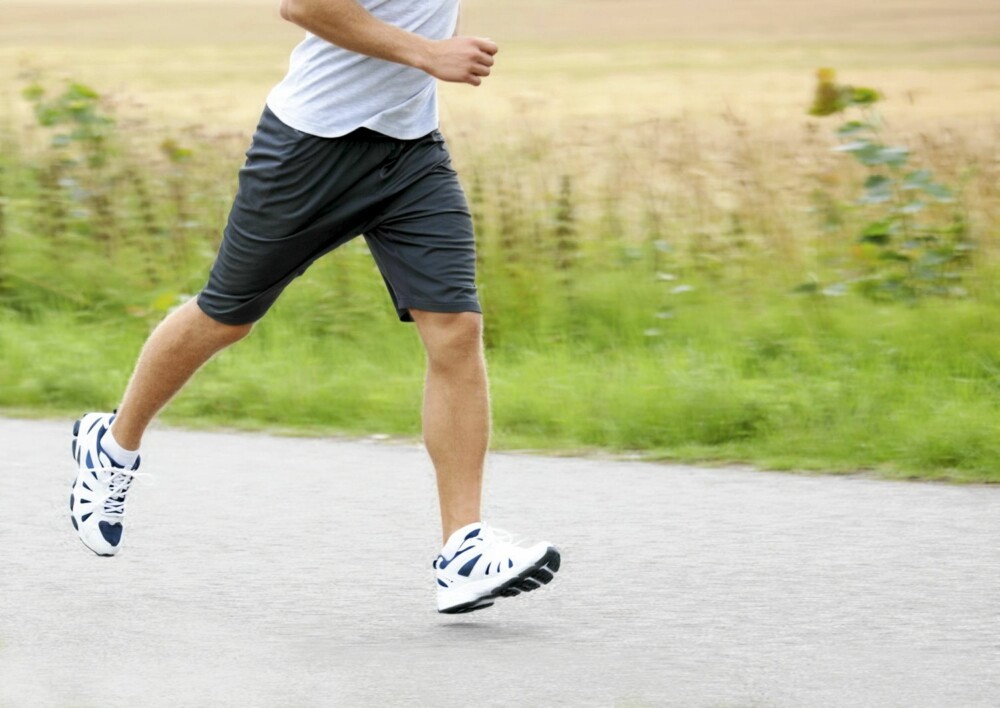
175 350
456 413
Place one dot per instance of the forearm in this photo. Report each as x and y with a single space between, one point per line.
347 24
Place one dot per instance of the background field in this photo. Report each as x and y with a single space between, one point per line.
648 190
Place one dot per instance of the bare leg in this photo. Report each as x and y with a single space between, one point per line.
456 414
176 349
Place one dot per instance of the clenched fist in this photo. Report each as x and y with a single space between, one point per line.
460 59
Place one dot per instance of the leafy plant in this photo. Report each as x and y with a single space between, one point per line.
78 111
75 172
908 248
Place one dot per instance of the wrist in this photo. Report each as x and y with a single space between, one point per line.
421 53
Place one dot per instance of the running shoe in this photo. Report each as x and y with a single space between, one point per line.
479 564
97 501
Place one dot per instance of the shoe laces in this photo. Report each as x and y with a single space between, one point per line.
489 533
118 486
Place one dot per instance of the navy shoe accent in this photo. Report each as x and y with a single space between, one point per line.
100 437
112 532
443 562
442 583
472 534
86 516
71 502
84 485
467 568
76 428
93 425
90 463
75 525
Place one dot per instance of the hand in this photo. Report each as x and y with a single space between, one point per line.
461 59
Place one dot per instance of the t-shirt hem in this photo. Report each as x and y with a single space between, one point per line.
376 125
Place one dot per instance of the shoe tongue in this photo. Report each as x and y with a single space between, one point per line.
456 540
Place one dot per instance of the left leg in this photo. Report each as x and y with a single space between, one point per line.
456 412
424 246
475 566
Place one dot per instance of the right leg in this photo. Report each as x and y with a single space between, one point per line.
176 349
281 221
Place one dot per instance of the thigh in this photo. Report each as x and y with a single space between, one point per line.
424 244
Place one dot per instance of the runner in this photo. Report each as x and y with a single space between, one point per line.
348 144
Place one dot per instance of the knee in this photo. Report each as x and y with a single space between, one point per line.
232 333
456 341
221 332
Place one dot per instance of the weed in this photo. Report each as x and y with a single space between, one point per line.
907 248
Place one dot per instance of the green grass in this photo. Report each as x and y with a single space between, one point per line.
778 381
639 302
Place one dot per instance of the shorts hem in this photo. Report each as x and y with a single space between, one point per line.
403 308
233 321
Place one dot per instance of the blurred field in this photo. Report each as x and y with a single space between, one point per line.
588 79
648 191
562 59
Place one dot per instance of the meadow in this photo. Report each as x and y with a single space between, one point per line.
675 263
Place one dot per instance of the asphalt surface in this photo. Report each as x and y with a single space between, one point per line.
269 571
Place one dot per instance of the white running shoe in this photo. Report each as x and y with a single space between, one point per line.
97 502
479 564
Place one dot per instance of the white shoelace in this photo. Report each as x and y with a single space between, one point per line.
501 536
118 486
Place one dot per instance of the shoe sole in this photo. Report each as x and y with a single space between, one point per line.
531 578
467 607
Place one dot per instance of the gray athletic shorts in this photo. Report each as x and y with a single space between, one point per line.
301 196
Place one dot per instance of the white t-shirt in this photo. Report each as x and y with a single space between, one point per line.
330 91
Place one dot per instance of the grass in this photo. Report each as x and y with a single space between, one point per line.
796 384
647 191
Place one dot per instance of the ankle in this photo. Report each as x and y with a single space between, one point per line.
118 452
450 526
126 437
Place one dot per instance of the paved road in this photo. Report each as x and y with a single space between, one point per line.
266 571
